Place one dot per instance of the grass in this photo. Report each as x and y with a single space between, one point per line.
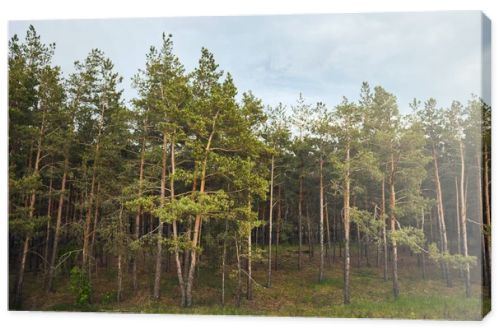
293 293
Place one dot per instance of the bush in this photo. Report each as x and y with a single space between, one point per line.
80 286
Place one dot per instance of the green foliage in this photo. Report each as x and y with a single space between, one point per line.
80 286
410 236
456 261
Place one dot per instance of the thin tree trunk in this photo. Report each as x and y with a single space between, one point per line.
223 274
159 247
271 206
392 203
96 222
137 225
384 230
424 274
119 262
329 254
31 213
487 218
278 230
463 218
57 232
178 266
459 233
46 263
347 227
321 223
301 185
238 263
249 261
441 220
90 201
197 222
309 233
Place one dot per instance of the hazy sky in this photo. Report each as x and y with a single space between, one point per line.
433 54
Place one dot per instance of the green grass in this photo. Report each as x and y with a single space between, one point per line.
292 293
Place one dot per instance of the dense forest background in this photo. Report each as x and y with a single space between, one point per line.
189 197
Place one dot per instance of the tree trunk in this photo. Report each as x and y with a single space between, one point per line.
57 232
278 230
197 222
31 213
384 229
441 220
90 200
249 263
46 263
463 219
392 204
120 256
321 223
487 219
178 265
223 274
157 284
459 233
329 254
347 227
309 233
301 185
238 263
424 274
137 225
271 206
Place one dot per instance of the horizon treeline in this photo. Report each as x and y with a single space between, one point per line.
185 174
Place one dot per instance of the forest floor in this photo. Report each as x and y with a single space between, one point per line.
293 292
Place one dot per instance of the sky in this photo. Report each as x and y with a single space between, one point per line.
324 57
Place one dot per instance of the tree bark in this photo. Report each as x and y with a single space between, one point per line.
223 274
278 230
384 230
46 264
157 283
249 261
57 232
392 204
120 256
329 254
321 223
197 222
31 213
301 194
441 220
90 200
463 219
271 206
138 214
347 227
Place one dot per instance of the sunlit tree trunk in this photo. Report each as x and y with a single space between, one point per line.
198 218
441 220
347 226
137 225
159 247
301 194
463 220
271 206
392 205
321 223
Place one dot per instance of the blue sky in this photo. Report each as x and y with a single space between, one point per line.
422 55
